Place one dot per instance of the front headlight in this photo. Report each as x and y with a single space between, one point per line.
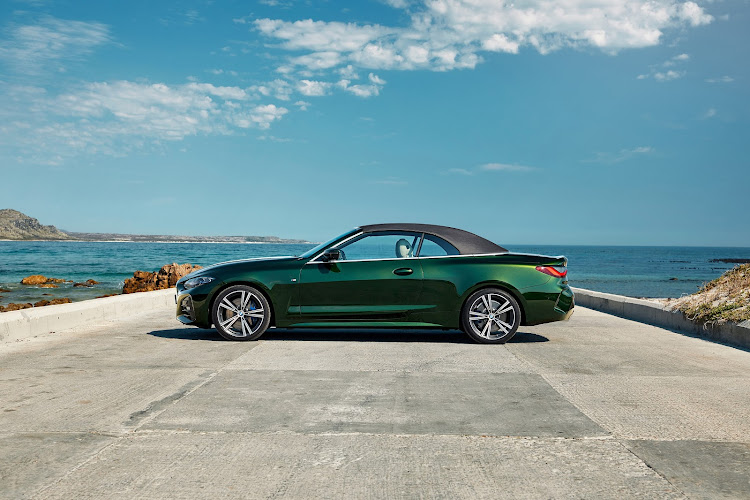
201 280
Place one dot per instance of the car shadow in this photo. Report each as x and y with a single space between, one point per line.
345 335
187 334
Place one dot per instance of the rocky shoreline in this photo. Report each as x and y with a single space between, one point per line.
142 281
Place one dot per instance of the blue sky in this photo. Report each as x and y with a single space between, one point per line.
534 122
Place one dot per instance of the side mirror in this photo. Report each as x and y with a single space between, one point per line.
331 254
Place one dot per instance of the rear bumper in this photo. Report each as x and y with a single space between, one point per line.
565 302
550 302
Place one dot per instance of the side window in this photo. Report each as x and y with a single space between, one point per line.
386 245
432 246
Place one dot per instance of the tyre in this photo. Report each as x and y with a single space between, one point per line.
241 312
490 316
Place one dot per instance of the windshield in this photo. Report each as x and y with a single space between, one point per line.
322 246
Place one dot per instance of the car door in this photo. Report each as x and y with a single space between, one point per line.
369 283
439 300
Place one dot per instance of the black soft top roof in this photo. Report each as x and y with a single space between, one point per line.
465 242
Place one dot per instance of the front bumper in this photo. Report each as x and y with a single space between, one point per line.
193 304
185 309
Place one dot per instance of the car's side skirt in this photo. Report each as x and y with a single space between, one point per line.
364 324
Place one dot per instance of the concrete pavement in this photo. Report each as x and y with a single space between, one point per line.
595 407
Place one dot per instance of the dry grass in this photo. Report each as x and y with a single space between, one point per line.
726 298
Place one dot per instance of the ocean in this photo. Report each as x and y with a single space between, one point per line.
632 271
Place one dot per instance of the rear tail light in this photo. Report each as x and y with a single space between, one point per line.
554 271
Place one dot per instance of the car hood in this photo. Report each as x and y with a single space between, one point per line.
242 263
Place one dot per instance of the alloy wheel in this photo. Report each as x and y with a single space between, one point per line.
240 313
492 316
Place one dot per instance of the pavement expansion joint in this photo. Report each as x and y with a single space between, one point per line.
168 432
645 462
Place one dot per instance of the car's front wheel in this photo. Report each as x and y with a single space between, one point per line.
491 316
241 312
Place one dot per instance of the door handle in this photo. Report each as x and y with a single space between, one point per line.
403 271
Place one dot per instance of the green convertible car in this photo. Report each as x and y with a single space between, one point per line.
382 275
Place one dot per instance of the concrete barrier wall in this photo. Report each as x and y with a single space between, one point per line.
26 323
656 314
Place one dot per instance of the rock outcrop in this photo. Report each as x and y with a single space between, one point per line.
38 279
52 302
15 307
34 279
166 277
15 225
87 283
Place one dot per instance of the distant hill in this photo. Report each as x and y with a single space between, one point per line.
15 225
169 238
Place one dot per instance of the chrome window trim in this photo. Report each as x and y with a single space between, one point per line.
406 259
313 260
402 259
464 255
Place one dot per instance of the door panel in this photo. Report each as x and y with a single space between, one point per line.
377 290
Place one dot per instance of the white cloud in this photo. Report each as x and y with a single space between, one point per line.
490 167
622 155
320 36
222 92
671 74
693 13
348 72
302 105
505 167
318 60
398 4
375 79
500 43
280 89
34 48
448 34
277 3
444 35
680 58
259 117
363 90
117 117
217 71
721 79
313 87
668 75
710 113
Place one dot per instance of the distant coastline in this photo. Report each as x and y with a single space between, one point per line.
221 242
17 226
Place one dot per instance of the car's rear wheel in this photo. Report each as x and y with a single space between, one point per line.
491 316
241 312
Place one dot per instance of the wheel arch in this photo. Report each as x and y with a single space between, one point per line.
495 284
254 284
